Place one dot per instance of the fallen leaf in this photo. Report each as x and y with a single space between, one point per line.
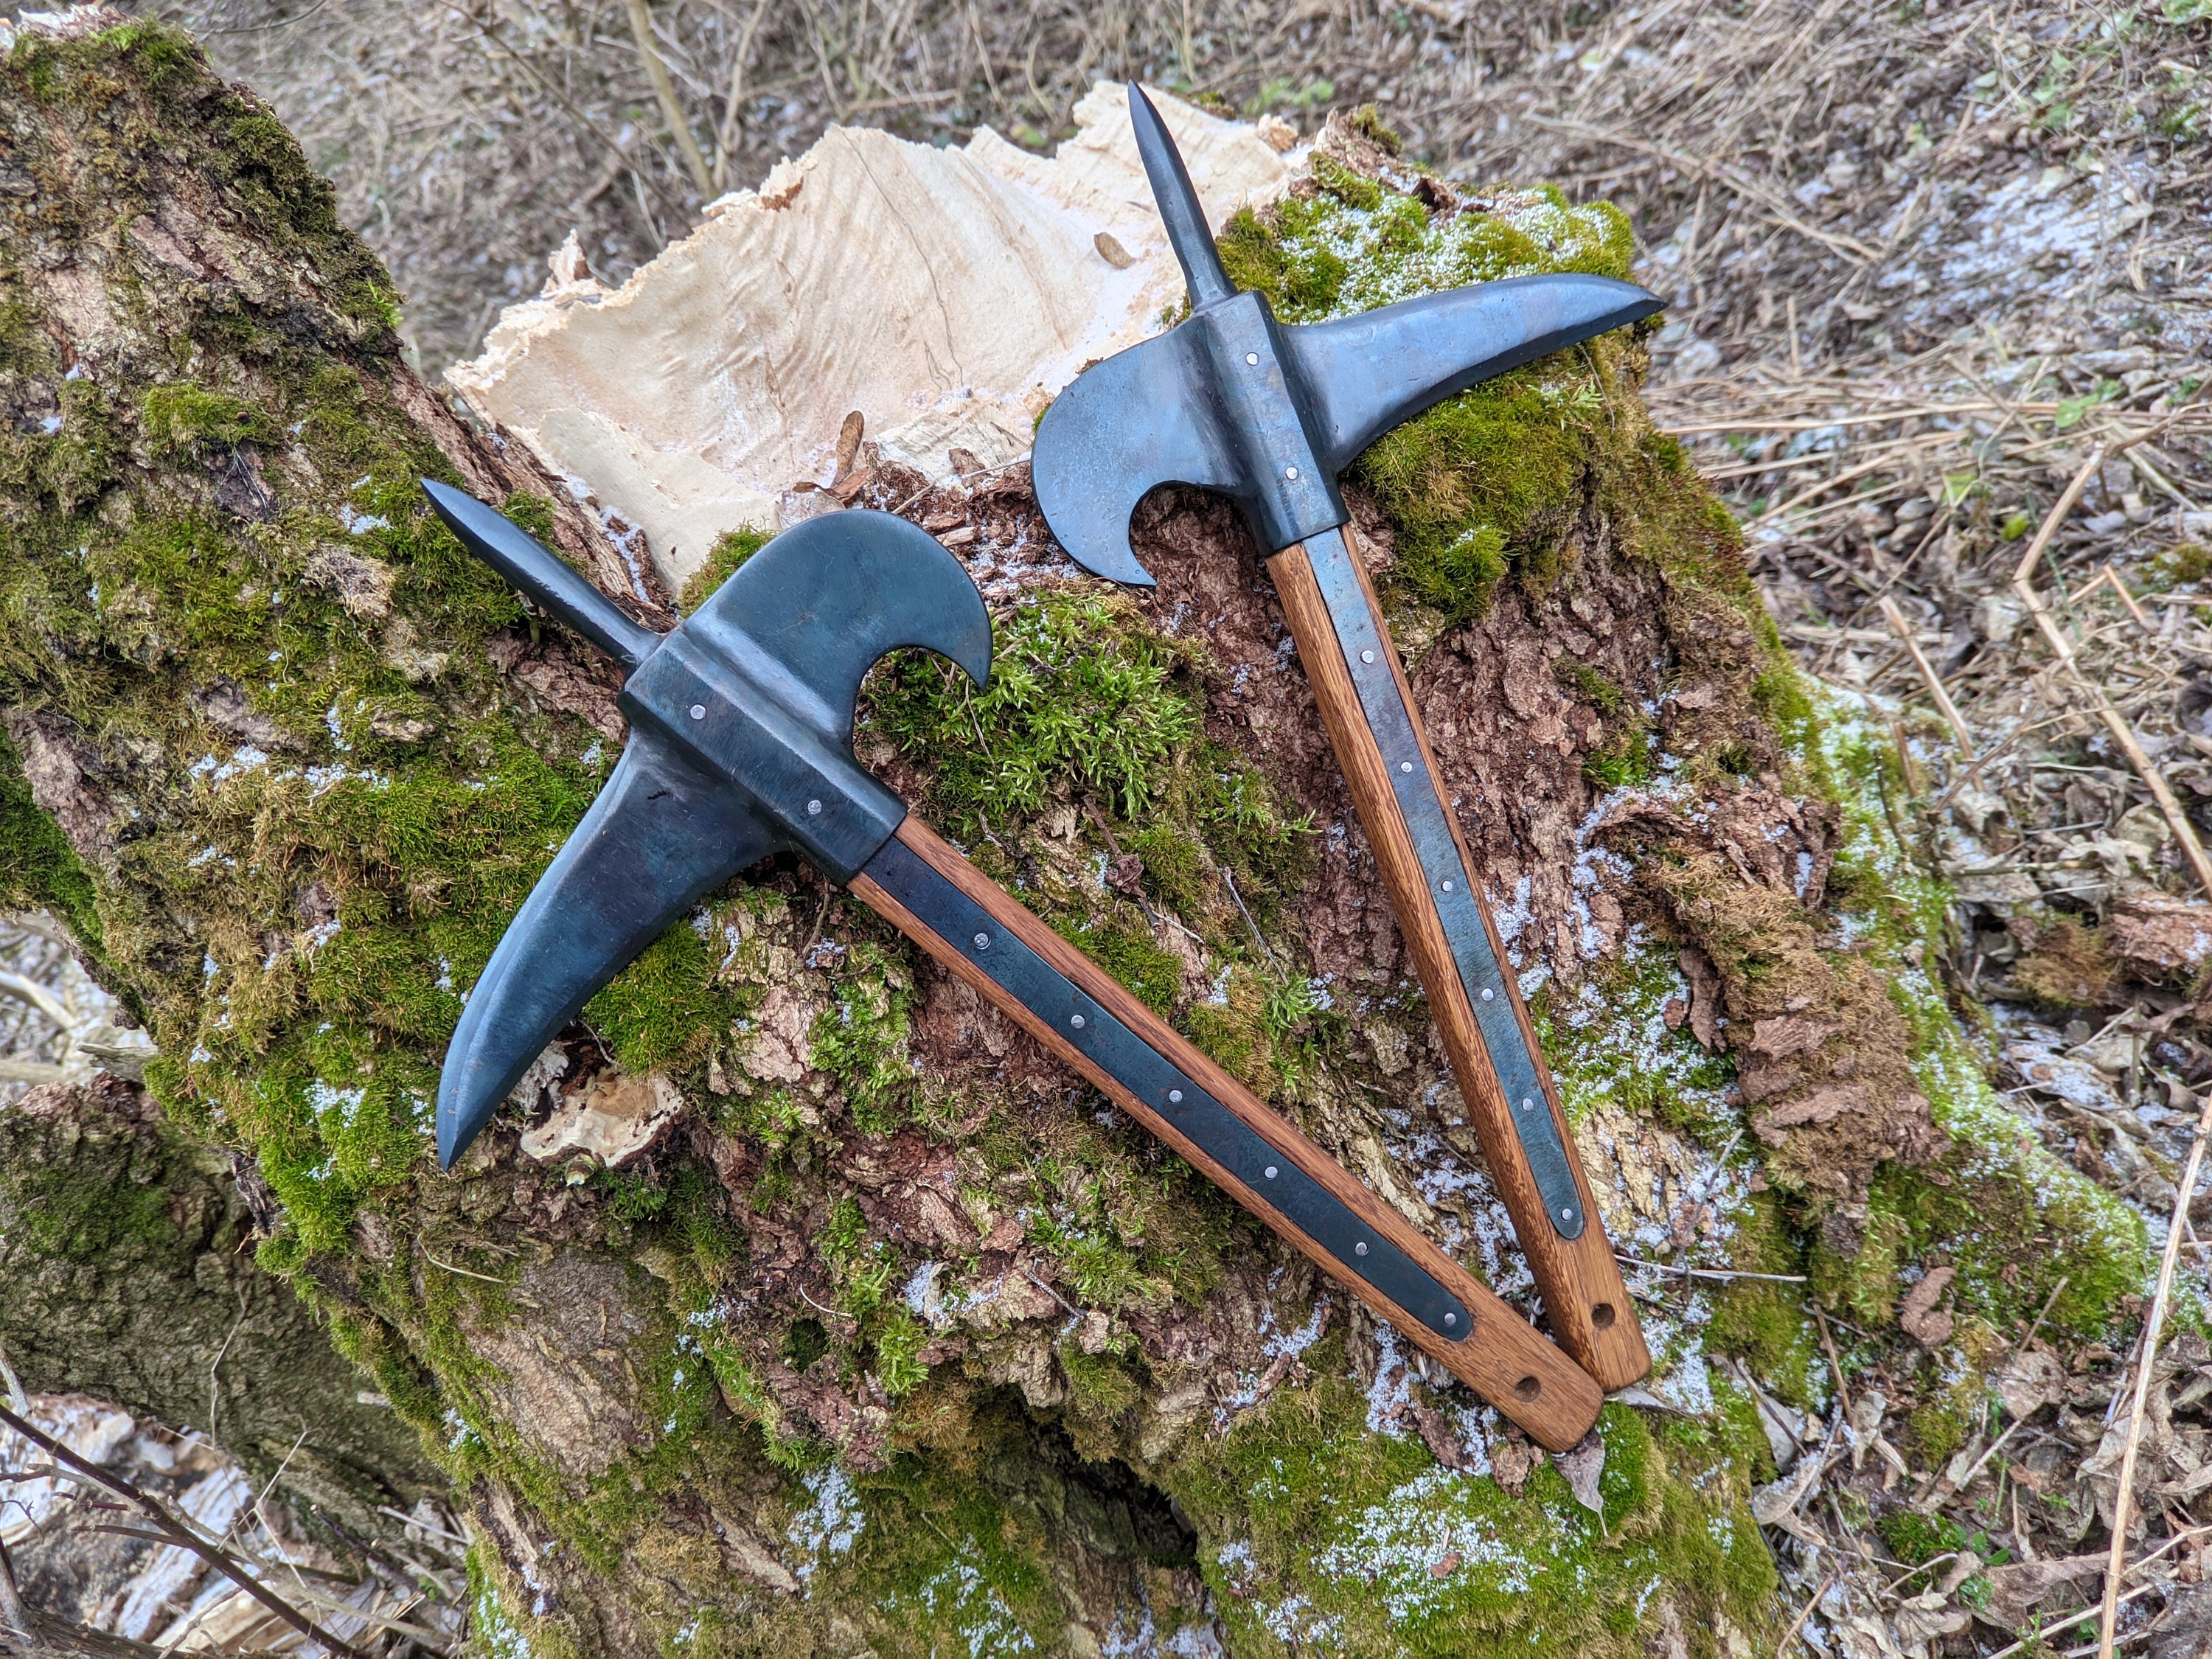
1582 1466
1921 1319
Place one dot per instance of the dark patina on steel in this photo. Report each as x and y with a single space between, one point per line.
1232 400
741 724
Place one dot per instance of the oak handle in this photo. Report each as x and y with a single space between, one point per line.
1585 1300
917 876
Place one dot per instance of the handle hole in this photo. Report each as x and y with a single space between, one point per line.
1526 1388
1603 1315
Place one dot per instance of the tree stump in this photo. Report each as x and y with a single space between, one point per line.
864 1327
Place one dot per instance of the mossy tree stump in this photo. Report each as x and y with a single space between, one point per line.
894 1340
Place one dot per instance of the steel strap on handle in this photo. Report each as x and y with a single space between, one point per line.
1449 884
1360 1252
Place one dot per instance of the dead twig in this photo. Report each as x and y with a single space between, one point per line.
2116 1565
2123 733
177 1533
663 89
1893 614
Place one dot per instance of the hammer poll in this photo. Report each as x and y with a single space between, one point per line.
1230 400
741 730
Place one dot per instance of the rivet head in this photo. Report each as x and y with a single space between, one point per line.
1405 766
698 711
1076 1020
1253 358
1488 995
1527 1103
814 809
1272 1172
1291 473
1174 1096
1448 887
1451 1319
1360 1248
1367 656
983 941
1566 1212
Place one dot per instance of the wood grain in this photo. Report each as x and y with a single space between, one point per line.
1504 1359
1584 1298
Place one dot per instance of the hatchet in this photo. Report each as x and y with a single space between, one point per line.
1232 400
741 730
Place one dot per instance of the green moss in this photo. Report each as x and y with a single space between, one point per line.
1127 953
724 560
181 419
861 1039
1318 1532
1080 690
38 869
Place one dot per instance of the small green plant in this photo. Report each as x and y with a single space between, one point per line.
724 560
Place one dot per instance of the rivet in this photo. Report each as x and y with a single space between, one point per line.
1527 1103
1367 656
1566 1212
698 711
1405 766
1448 887
813 809
1360 1248
1174 1096
983 941
1253 358
1291 473
1076 1020
1272 1172
1487 993
1451 1319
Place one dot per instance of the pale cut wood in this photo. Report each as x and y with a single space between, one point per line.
1504 1359
1584 1297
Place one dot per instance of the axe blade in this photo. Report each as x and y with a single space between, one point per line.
1364 374
660 836
1122 428
814 609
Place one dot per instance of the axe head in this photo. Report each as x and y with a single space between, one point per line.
741 725
1230 400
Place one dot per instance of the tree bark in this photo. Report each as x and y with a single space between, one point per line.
890 1339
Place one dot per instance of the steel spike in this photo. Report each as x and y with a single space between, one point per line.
1180 210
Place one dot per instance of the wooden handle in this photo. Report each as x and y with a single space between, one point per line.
1503 1357
1584 1298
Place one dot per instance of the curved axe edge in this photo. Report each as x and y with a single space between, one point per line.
661 835
813 611
1369 373
1121 429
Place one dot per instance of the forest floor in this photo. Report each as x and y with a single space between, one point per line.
1938 333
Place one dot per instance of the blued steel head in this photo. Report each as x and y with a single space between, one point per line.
741 727
1230 400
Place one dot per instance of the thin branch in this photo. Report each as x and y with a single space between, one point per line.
178 1533
2116 1565
640 25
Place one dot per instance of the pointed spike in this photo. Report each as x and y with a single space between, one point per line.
660 833
542 574
1180 210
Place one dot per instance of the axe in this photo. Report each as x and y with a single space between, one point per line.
741 731
1230 400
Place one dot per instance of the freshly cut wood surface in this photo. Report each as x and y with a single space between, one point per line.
946 295
1504 1359
1587 1303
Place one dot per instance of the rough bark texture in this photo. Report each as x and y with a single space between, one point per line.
894 1340
127 1253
